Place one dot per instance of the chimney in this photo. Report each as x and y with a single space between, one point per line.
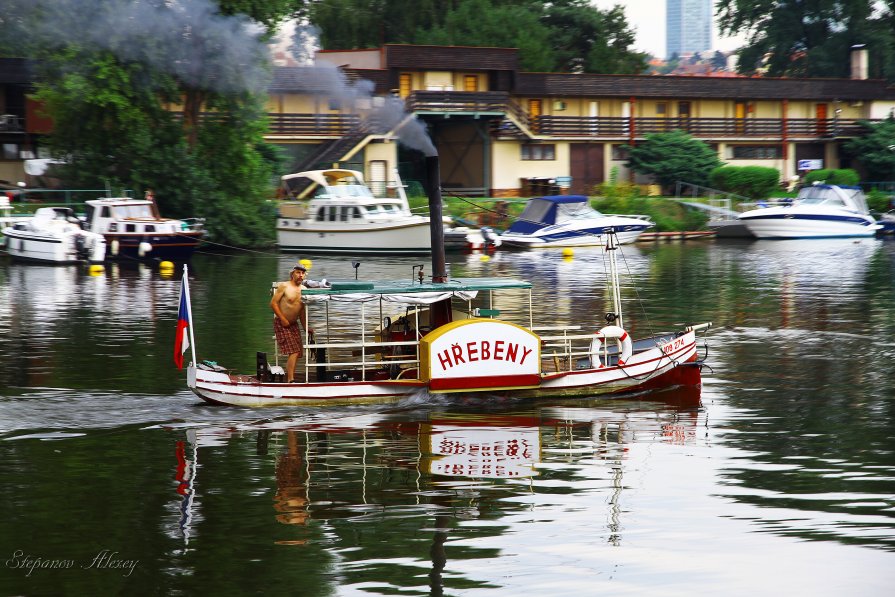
859 61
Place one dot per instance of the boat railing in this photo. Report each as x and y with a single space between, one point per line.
373 350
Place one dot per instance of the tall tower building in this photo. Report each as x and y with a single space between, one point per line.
688 26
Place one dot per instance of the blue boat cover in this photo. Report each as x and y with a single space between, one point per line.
541 211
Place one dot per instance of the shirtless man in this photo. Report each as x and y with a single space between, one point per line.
286 304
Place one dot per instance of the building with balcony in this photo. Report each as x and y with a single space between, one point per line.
499 130
503 132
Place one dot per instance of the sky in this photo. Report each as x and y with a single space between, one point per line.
647 18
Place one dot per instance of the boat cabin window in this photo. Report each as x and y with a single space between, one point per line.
142 210
149 228
106 213
344 213
130 228
321 214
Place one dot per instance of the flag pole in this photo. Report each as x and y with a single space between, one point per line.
189 311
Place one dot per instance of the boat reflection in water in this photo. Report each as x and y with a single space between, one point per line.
348 484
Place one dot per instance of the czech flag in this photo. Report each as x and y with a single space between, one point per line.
182 338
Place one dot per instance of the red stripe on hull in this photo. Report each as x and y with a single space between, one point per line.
492 381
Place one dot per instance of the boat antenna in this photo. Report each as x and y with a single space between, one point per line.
611 248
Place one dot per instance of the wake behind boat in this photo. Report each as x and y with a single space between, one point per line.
448 337
819 211
569 221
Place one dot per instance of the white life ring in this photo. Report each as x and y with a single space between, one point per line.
622 339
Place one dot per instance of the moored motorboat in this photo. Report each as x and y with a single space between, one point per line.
344 216
819 211
449 338
569 221
134 230
54 235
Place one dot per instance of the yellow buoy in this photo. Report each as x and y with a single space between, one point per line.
484 258
568 252
166 265
96 269
307 263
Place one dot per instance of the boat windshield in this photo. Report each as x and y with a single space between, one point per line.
139 210
832 197
344 190
575 211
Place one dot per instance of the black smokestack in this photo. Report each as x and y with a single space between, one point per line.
436 223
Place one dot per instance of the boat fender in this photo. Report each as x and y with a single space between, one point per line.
114 247
622 339
144 248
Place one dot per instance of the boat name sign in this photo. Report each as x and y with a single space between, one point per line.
480 353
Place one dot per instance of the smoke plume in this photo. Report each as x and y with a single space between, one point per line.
188 39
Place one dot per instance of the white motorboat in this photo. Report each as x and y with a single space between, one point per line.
345 216
134 230
54 235
570 221
448 337
819 211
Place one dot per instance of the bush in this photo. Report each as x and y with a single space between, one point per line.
844 177
669 216
755 182
671 157
879 201
613 189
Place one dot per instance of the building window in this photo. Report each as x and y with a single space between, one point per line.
620 152
470 83
539 151
756 152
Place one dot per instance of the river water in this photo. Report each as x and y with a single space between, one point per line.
778 479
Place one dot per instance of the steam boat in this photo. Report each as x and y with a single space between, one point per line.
448 337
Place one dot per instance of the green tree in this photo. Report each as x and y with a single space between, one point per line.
875 149
478 23
559 36
587 39
810 38
672 157
109 78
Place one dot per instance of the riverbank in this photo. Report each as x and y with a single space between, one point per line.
668 214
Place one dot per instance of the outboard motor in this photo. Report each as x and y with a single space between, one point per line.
81 246
491 237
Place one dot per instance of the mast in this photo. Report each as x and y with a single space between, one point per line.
611 248
189 309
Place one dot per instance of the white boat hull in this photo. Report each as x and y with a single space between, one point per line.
294 235
671 363
60 248
788 222
581 239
